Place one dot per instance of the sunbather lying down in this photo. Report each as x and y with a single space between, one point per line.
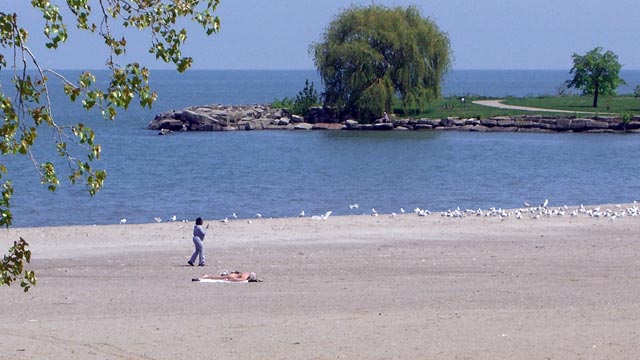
235 276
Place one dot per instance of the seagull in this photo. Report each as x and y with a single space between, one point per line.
173 218
157 219
224 220
545 203
402 210
123 221
258 215
526 204
301 214
234 216
353 206
325 216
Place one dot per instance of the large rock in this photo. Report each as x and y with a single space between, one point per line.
303 126
327 126
595 124
383 126
321 114
351 124
488 122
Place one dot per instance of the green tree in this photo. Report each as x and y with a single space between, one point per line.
30 110
305 99
596 73
371 55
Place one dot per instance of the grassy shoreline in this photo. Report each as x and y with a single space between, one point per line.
581 105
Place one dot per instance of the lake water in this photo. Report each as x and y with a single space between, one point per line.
278 174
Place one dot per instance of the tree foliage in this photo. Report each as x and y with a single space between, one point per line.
29 109
306 98
596 73
371 55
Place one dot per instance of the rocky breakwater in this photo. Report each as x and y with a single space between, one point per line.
263 117
530 123
225 118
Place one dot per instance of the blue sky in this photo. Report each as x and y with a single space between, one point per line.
484 34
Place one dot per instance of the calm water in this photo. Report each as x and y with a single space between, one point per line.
278 174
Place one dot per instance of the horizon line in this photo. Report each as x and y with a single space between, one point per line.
311 69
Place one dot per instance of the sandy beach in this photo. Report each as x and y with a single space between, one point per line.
355 287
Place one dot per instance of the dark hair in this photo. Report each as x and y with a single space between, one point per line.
199 221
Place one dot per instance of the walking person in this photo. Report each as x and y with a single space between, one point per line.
198 237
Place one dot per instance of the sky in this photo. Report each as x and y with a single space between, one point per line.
277 34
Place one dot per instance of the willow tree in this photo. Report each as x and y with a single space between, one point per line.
369 56
25 106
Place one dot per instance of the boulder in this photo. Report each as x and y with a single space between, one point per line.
383 126
303 126
505 122
401 128
447 122
633 124
283 121
276 127
326 126
479 128
297 119
563 124
318 114
522 123
168 124
488 122
578 125
595 124
351 124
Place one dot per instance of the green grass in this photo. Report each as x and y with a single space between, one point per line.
452 107
606 104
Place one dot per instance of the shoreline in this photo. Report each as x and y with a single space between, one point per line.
263 117
408 212
346 287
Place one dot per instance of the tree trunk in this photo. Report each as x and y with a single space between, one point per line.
595 97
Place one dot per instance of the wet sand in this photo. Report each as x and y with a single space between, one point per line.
356 287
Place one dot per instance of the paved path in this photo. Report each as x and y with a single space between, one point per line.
499 104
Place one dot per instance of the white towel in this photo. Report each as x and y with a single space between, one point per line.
222 281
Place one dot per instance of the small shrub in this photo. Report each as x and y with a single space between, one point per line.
306 98
284 103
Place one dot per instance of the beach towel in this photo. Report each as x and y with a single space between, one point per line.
222 281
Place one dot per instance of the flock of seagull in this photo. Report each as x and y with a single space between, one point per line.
528 210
